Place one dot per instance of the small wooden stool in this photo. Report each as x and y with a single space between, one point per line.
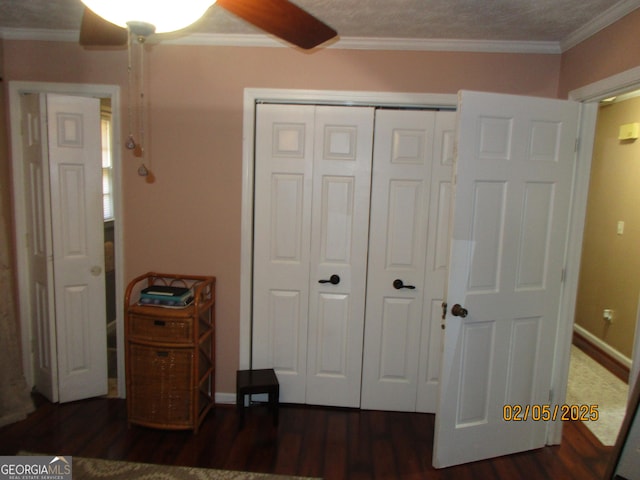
249 382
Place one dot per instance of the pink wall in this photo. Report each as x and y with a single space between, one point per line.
188 221
611 51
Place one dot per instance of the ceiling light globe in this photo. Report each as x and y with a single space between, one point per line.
165 16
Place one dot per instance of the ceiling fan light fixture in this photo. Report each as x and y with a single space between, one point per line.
164 16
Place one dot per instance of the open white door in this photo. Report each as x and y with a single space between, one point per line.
78 245
511 203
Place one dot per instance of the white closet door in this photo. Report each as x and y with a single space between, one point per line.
437 265
282 231
78 245
397 251
40 250
312 213
339 239
313 177
63 185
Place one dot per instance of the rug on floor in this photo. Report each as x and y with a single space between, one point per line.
99 469
592 384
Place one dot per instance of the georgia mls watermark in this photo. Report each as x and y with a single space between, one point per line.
35 467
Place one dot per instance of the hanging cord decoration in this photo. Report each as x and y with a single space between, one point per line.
130 143
139 150
136 109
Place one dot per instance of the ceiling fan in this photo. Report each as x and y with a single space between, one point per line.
278 17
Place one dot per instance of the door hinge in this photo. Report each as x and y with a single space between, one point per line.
563 275
575 148
550 396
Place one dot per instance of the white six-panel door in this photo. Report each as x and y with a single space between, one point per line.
514 175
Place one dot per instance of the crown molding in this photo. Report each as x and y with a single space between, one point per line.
613 14
353 43
610 16
348 43
447 45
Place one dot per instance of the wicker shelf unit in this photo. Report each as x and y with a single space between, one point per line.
170 354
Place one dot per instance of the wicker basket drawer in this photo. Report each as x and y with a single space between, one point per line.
161 385
174 330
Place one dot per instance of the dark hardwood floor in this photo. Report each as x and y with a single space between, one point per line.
309 441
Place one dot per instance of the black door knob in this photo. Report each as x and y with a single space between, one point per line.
459 311
398 284
333 280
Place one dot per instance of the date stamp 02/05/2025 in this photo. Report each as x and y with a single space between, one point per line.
547 412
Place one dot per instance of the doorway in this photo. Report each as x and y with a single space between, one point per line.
607 300
109 94
590 95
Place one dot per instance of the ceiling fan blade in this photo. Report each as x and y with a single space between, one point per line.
282 19
96 31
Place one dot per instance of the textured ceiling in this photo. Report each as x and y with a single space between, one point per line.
498 20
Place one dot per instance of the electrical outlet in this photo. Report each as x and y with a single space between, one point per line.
607 315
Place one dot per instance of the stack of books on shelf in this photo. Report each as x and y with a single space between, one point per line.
165 296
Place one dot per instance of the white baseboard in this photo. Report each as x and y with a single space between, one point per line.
224 398
605 347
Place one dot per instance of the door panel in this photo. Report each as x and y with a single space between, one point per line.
332 319
339 240
284 308
78 245
283 175
40 256
403 152
514 173
413 158
437 261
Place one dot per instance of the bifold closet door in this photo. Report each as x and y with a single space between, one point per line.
339 241
312 190
282 232
408 253
63 200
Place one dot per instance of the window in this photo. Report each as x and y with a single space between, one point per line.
107 167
